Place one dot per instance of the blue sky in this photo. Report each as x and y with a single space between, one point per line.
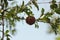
27 32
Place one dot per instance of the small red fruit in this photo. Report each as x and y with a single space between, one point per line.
30 20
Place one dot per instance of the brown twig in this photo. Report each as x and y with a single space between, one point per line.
46 2
2 22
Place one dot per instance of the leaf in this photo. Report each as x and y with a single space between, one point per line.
48 14
13 31
35 4
57 11
28 11
36 25
22 4
42 11
8 38
7 31
53 6
22 8
7 35
11 22
45 19
53 1
54 27
30 6
6 3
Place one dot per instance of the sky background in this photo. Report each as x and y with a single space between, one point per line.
29 32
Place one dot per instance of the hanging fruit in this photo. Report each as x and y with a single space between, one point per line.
30 20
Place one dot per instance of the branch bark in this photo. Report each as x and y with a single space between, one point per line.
2 22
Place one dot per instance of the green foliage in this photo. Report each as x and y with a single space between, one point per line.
36 25
7 31
53 1
35 4
58 38
53 6
57 10
6 3
47 17
11 16
13 31
7 35
8 38
55 26
42 11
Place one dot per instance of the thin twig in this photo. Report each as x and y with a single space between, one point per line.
2 22
46 2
